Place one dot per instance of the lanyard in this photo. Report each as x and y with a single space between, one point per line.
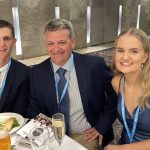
66 84
4 80
130 134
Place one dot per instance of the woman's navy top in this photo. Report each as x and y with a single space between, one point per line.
143 125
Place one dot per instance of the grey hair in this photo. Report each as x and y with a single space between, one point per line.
60 24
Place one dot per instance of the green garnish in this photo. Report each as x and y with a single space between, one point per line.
15 123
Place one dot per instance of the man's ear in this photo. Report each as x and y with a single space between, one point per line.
14 42
73 41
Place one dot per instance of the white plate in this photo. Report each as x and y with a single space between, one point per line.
20 119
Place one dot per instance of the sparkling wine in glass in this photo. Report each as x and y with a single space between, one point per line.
58 125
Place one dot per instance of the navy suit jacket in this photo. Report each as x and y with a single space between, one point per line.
15 97
94 80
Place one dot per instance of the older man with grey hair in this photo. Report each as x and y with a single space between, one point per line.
86 99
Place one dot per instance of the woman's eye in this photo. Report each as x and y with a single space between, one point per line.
134 51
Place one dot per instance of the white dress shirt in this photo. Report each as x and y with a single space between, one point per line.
3 72
78 120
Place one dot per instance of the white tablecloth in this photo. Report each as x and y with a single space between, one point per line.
67 144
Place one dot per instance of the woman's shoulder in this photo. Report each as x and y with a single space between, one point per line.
116 82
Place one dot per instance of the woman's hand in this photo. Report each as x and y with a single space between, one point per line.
114 147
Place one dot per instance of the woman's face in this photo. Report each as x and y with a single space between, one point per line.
129 54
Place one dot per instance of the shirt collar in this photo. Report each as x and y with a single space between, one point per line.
2 69
65 66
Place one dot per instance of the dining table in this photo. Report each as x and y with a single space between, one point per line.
67 144
17 143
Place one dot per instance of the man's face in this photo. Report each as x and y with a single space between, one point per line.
6 44
59 46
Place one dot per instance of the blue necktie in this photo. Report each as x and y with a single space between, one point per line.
65 103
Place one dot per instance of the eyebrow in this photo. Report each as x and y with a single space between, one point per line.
134 48
57 41
119 48
7 36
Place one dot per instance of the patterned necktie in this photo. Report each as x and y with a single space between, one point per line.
65 103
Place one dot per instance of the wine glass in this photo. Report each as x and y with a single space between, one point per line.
58 126
5 141
40 138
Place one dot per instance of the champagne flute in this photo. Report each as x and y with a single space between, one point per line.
58 126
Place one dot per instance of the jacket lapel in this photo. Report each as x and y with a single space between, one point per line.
8 84
82 78
50 84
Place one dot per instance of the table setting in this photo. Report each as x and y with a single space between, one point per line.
39 133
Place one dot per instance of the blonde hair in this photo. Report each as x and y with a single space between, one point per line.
144 79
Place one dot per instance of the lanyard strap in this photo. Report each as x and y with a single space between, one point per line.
66 84
4 80
130 134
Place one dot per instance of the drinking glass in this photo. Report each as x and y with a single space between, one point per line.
40 138
5 142
58 126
